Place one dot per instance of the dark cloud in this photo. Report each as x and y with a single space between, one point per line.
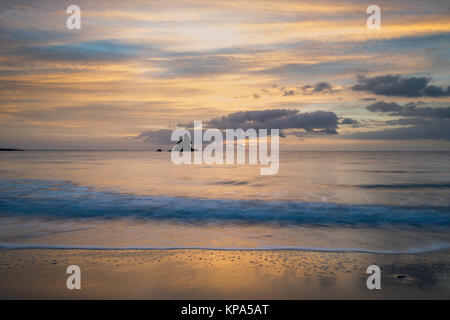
318 122
426 130
434 91
382 106
425 112
409 110
246 118
408 122
289 93
349 121
306 134
320 87
276 119
396 85
417 123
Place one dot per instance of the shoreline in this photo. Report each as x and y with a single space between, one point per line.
419 250
221 274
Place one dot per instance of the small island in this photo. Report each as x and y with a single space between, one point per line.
11 149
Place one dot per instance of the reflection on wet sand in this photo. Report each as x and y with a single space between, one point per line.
217 274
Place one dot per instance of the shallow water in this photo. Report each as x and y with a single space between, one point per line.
345 201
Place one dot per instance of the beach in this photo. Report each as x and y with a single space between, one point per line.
221 274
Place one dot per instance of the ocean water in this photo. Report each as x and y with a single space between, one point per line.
392 202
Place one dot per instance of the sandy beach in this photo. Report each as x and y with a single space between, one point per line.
218 274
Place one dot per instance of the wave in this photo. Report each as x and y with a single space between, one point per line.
406 186
62 200
396 171
423 249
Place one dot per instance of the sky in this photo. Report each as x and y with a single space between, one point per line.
136 70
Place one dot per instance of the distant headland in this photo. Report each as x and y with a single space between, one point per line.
11 149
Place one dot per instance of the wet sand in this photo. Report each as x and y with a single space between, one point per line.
216 274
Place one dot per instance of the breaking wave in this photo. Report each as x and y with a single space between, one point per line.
62 199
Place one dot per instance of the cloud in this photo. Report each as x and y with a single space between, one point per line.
292 71
199 66
244 119
431 130
11 37
321 87
289 93
409 110
434 91
417 123
409 121
86 116
396 85
318 122
382 106
158 137
425 112
277 119
99 50
195 56
349 121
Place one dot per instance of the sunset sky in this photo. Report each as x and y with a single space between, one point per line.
139 69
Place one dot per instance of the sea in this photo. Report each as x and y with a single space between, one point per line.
378 202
